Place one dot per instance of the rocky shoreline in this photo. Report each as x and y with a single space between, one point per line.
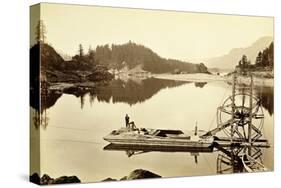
136 174
47 180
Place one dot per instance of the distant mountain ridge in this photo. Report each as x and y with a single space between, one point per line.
230 60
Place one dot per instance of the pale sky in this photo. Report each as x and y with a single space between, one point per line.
178 35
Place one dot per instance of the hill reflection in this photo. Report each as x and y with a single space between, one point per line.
126 91
133 92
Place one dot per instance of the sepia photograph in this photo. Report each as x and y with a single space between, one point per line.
124 94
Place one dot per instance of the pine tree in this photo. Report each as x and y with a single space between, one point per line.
81 51
244 61
259 59
91 55
40 32
271 55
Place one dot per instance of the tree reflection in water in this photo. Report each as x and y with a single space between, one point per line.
229 159
130 91
40 114
264 93
200 84
133 91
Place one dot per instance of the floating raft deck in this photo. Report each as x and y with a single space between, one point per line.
169 140
157 138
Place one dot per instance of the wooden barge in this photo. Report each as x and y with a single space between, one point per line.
157 138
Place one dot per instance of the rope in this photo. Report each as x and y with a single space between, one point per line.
68 140
78 141
70 128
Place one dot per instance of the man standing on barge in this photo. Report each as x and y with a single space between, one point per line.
127 120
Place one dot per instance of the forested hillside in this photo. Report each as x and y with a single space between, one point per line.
132 54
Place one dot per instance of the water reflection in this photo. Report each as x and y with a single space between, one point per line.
40 113
234 159
137 91
74 136
129 91
40 118
132 91
240 159
266 95
200 84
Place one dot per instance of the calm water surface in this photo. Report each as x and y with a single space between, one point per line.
72 139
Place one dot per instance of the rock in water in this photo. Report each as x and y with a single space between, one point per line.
47 180
109 179
137 174
34 178
141 174
66 179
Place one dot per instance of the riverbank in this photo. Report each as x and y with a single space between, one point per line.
259 80
197 77
269 82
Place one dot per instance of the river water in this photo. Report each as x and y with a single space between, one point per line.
71 139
